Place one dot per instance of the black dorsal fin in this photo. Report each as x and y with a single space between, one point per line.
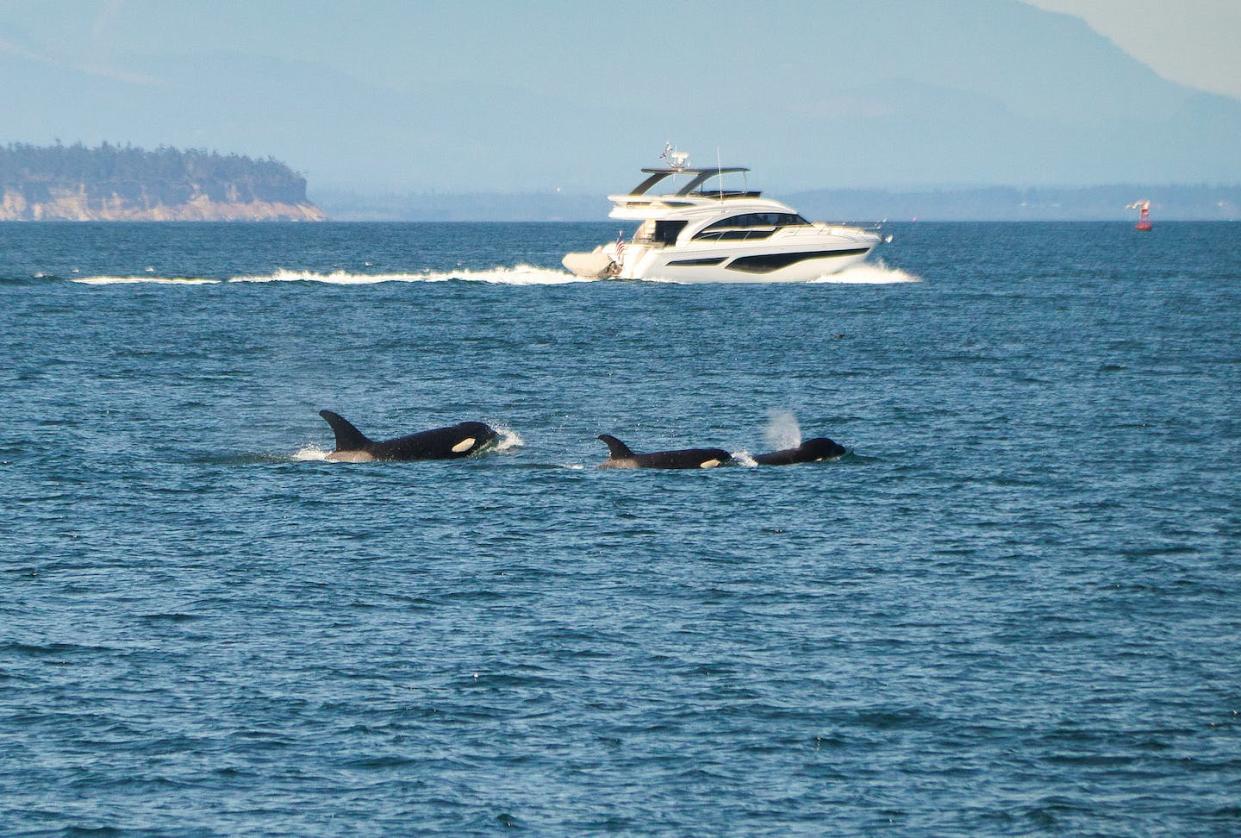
617 449
348 438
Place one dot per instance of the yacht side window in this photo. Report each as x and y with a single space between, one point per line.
750 225
666 232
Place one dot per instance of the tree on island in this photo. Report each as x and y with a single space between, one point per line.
165 175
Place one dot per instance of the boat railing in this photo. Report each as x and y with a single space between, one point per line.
818 228
724 193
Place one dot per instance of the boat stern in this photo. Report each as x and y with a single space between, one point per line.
597 264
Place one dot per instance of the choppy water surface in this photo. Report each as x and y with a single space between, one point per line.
1015 607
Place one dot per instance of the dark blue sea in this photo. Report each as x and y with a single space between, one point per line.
1013 608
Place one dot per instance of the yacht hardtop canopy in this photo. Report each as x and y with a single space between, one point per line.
671 170
700 176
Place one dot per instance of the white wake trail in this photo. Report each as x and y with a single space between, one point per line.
144 280
499 275
866 273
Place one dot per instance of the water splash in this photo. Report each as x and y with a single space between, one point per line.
783 430
743 458
310 453
507 439
868 273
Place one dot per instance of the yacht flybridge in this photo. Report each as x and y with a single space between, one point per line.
701 234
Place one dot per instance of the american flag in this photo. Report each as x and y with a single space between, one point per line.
620 246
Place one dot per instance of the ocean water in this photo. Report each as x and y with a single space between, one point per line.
1013 608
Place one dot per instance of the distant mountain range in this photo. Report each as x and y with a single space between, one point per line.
995 203
904 96
114 183
1000 203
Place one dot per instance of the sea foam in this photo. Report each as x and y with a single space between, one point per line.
498 275
867 273
141 280
506 439
310 453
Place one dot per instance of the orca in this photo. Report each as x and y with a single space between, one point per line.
451 443
811 451
619 456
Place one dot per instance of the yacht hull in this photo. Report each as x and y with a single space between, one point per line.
770 266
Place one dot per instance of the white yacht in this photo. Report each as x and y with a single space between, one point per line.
701 234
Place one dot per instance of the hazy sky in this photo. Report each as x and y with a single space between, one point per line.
1195 42
486 95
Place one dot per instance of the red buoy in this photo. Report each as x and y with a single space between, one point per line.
1144 215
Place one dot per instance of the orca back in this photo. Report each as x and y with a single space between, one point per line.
684 458
621 456
812 450
448 443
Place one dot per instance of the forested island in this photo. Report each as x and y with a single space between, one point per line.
123 183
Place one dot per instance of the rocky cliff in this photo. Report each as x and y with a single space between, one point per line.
111 183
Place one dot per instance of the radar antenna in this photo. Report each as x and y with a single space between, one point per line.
676 159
